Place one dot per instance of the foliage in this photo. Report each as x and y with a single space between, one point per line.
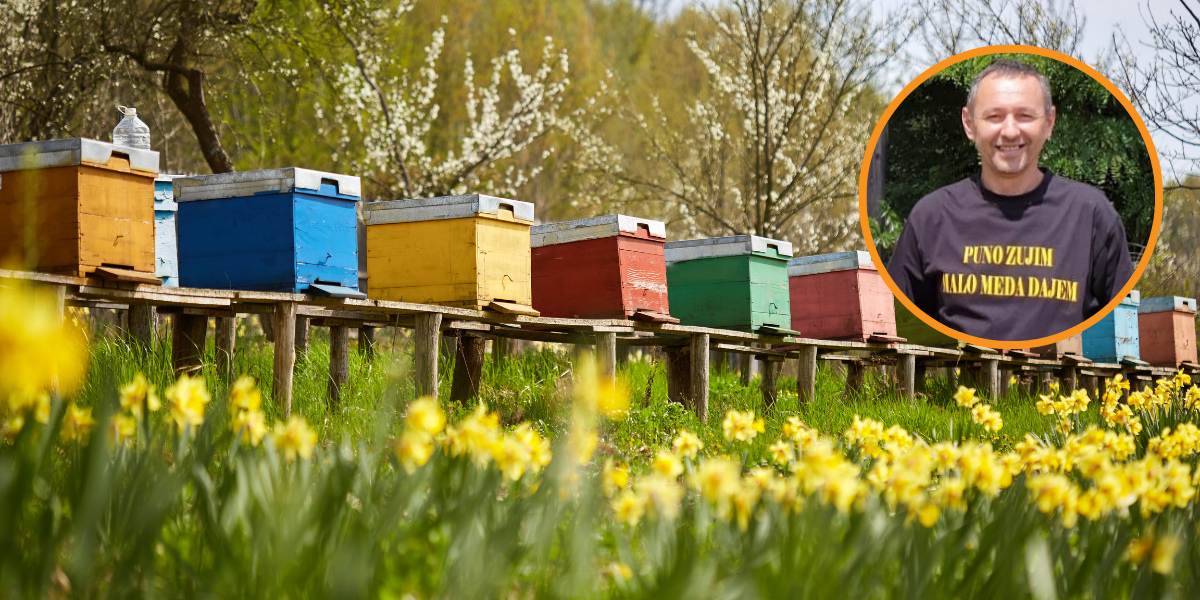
1095 141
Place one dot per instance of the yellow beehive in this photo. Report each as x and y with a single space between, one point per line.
465 251
72 206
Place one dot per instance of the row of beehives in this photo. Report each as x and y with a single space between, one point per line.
86 203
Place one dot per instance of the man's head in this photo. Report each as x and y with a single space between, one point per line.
1009 116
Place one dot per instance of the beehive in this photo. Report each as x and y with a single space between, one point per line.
1055 351
72 206
466 251
1115 337
738 282
840 297
1167 330
283 230
166 254
603 267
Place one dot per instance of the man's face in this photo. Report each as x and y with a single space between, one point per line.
1009 125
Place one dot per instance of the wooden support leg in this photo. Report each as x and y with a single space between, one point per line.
699 348
58 294
770 379
301 336
1090 382
1005 376
679 375
366 341
745 370
267 323
952 376
1043 381
606 355
1067 375
920 372
855 374
622 355
425 353
226 338
143 325
187 343
806 377
468 367
339 365
284 328
989 378
906 376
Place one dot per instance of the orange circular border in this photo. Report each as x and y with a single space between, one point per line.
1015 49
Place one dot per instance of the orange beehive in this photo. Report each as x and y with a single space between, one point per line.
72 206
1167 330
840 297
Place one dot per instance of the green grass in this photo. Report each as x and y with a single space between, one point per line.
536 386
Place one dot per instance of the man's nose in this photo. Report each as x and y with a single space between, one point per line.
1009 128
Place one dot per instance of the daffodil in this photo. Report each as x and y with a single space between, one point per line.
77 423
687 444
251 424
138 395
187 398
425 415
965 396
244 395
742 427
294 438
667 465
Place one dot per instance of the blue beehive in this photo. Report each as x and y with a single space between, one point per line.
1115 337
281 230
166 257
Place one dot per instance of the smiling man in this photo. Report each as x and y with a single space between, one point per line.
1014 252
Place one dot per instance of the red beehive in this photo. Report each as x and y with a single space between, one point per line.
603 267
1167 330
840 297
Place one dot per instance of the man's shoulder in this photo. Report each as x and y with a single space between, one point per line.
946 197
1077 192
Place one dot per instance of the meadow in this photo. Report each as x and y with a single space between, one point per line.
559 484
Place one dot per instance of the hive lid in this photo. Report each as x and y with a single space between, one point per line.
444 207
594 228
268 181
829 263
726 246
73 151
1167 304
1133 299
164 192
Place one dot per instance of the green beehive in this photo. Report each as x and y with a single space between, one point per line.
738 282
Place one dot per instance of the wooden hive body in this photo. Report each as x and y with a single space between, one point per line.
283 230
1167 330
72 206
1055 351
737 282
840 297
604 267
166 252
465 251
1115 337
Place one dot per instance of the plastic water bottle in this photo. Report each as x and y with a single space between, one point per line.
131 132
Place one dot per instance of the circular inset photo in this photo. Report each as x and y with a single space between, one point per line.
1012 194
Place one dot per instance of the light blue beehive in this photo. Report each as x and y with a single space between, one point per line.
1115 337
166 256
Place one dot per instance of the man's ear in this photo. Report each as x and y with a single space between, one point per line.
1051 117
968 125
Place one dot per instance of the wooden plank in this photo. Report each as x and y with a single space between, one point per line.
285 354
512 308
906 376
468 367
339 366
652 317
699 351
806 379
226 339
199 312
606 355
115 274
187 347
42 277
425 353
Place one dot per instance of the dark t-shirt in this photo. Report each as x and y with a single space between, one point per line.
1012 267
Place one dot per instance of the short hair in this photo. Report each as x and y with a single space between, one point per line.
1011 68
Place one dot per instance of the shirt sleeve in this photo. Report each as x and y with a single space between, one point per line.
1111 267
907 269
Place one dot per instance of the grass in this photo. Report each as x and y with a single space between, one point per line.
535 387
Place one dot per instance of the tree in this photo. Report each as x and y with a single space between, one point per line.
948 27
773 142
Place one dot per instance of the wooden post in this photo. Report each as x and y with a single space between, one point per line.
699 349
770 379
143 325
301 336
1043 382
806 377
187 343
679 375
468 367
906 375
606 355
989 378
502 350
855 374
58 293
339 365
226 338
952 376
1004 385
920 372
622 355
1090 382
284 328
1067 377
366 341
267 325
425 353
744 362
